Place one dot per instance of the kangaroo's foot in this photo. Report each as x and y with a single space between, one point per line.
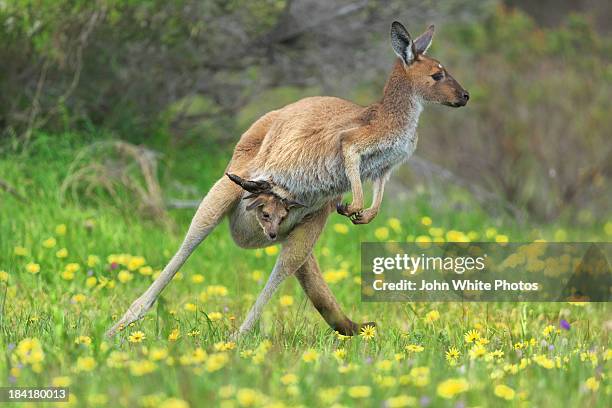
135 312
350 328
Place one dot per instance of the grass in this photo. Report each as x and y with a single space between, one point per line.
53 320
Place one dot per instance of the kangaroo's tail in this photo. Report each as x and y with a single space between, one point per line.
219 200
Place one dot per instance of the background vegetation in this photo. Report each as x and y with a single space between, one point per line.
116 116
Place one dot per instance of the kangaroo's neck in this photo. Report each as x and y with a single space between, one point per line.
400 107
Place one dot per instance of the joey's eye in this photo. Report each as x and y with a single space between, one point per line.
265 215
437 76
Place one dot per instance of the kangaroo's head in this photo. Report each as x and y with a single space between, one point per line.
270 209
429 79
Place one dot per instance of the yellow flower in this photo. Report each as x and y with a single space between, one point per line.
62 253
432 316
341 336
257 275
505 392
148 271
367 332
49 242
215 316
248 397
72 267
359 391
157 354
340 354
501 239
414 348
271 250
91 282
381 233
142 367
456 236
85 364
33 268
426 221
471 336
190 307
197 278
86 340
477 351
286 300
401 401
395 224
289 379
61 381
61 229
592 384
225 346
548 330
310 356
136 262
451 387
174 403
452 355
4 276
174 335
420 376
20 251
92 260
384 365
136 337
341 228
67 275
216 290
29 351
216 361
329 395
124 276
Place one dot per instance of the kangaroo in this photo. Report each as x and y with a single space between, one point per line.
316 149
270 204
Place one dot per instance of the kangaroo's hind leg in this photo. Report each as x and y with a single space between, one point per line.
219 200
324 300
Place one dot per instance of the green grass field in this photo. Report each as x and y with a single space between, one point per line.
70 269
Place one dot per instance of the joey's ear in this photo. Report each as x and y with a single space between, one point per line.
422 43
255 204
255 187
402 43
289 204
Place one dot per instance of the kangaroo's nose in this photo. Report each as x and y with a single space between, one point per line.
466 95
272 235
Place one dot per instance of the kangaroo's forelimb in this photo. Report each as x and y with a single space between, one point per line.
219 200
367 215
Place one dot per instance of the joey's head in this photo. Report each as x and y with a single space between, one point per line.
270 209
428 77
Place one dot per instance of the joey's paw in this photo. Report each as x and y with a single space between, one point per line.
347 209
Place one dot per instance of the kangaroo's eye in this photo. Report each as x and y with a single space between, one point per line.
265 215
438 76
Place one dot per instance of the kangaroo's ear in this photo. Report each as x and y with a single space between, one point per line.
255 204
422 43
255 187
289 204
402 43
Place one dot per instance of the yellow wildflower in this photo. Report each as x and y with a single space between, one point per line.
592 384
62 253
381 233
341 229
451 387
85 364
33 268
367 332
136 337
286 300
20 251
432 316
310 356
505 392
471 336
289 379
359 391
49 243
